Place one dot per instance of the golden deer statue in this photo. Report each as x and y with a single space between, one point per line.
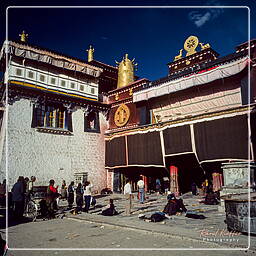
178 56
204 46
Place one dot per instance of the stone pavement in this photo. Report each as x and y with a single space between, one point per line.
212 230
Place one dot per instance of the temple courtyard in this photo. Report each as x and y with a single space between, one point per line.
94 234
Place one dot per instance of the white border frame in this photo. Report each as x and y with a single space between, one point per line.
120 249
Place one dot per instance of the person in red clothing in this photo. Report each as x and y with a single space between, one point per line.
52 194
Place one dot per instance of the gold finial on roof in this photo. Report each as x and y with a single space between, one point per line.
90 53
125 71
23 37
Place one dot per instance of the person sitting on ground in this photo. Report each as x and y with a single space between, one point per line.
174 205
110 209
211 198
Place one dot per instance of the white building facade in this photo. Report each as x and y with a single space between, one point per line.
52 122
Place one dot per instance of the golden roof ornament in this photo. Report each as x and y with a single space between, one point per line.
190 45
178 56
23 37
90 53
125 71
204 46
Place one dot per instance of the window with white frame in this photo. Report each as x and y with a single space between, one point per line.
72 85
18 71
63 83
31 74
53 80
42 78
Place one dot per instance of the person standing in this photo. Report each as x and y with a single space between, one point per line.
71 193
18 197
31 184
79 197
128 197
194 189
158 186
52 194
3 193
166 185
87 195
63 190
141 185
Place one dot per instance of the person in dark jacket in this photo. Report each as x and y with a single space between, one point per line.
18 193
71 192
79 197
110 209
174 205
194 188
211 197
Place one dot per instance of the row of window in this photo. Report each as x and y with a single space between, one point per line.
42 78
57 117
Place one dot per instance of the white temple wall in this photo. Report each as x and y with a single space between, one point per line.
53 156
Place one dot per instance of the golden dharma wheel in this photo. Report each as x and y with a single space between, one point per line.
122 115
190 45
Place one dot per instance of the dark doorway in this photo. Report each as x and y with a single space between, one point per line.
189 171
133 173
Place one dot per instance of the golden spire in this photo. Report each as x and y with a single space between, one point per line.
90 53
125 71
23 37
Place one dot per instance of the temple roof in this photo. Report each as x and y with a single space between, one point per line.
45 52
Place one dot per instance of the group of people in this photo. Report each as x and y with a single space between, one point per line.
211 197
82 193
173 206
20 195
23 189
128 194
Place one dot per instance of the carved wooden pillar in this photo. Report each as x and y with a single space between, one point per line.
174 185
145 179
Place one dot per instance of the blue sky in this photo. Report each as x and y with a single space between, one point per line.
153 36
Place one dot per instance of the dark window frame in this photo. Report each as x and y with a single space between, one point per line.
90 117
51 116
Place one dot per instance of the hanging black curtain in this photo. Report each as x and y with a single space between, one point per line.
115 152
145 149
177 140
225 138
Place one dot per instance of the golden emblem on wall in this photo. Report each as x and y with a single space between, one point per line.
122 115
190 45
